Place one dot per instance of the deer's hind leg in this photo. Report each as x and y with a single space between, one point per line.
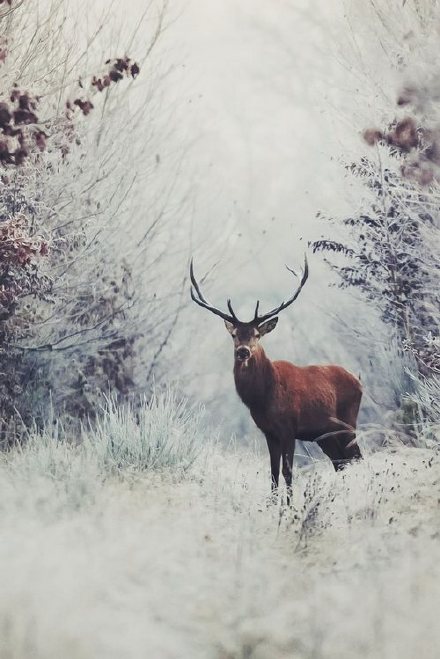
340 445
348 415
332 447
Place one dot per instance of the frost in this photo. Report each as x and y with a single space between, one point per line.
177 563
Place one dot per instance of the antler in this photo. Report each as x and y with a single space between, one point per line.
259 319
202 302
232 318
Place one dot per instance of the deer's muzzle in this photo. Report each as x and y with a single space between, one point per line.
242 353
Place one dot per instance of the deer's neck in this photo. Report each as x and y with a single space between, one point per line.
255 381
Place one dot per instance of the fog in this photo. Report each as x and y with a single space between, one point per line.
260 106
140 514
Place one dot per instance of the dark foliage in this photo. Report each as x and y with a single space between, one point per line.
91 319
388 258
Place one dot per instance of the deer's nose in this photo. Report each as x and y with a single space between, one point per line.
243 353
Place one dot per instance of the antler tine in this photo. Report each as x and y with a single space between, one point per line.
232 311
292 299
202 302
256 310
194 282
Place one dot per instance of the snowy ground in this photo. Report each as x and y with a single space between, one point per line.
173 564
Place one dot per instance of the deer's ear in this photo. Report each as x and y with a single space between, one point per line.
230 327
268 326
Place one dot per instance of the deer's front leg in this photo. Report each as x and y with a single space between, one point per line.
275 458
288 453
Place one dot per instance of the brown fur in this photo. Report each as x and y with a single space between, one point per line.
289 402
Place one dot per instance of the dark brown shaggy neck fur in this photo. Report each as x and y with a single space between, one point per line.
255 383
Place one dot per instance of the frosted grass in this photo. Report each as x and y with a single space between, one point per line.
162 433
109 550
61 473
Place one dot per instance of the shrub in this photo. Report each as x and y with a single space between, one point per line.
160 433
73 296
55 474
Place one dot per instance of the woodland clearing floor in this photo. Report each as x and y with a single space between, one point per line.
152 566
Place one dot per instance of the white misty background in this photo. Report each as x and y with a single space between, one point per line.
138 523
264 100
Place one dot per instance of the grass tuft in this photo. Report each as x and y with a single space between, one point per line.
163 433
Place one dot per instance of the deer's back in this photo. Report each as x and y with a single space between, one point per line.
312 394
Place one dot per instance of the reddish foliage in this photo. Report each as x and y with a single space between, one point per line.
23 137
120 67
40 140
18 251
16 246
115 75
5 156
402 134
20 156
407 95
5 115
101 83
372 136
121 64
84 106
18 129
25 117
419 146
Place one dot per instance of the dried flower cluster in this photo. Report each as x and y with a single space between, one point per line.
419 146
18 272
119 68
20 131
29 148
384 258
391 259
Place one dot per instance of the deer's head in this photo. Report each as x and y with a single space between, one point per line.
246 335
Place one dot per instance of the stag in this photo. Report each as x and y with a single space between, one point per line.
289 402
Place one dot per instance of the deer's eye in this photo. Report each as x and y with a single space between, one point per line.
257 335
